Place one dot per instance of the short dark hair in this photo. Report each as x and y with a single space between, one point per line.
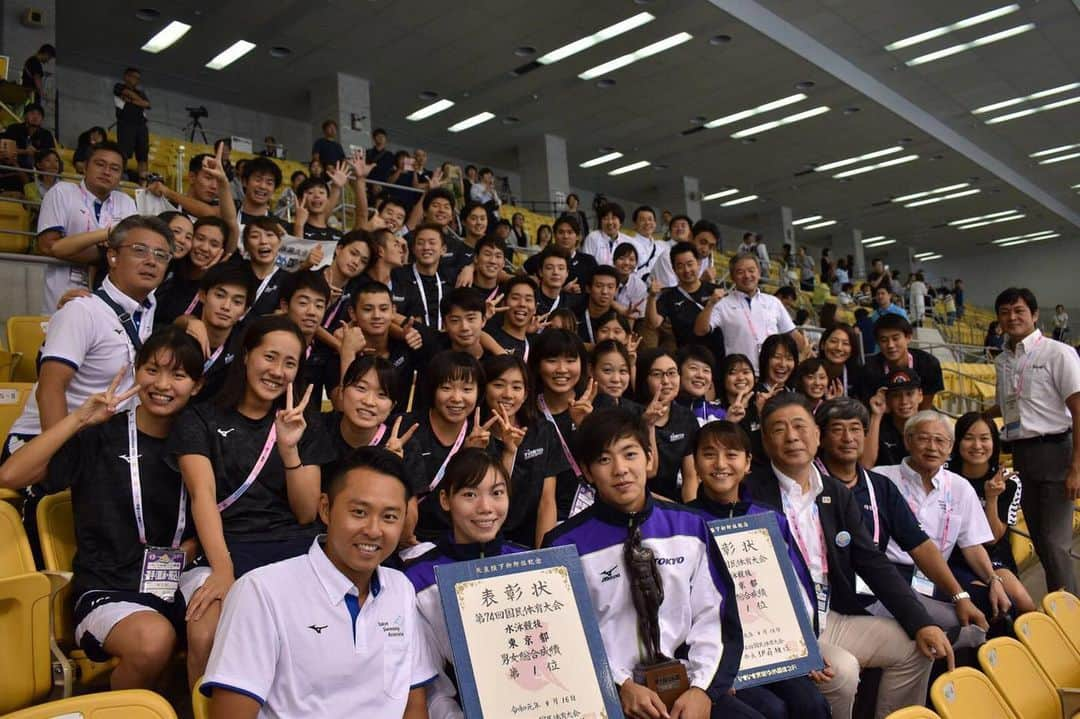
643 208
892 321
48 50
195 164
365 363
569 220
554 342
486 171
490 241
470 167
787 291
216 222
132 69
520 280
467 469
328 123
119 231
266 224
234 274
612 208
602 428
624 248
496 366
374 459
464 298
437 193
552 251
430 227
724 433
646 359
705 226
304 280
740 257
311 183
263 165
780 401
771 345
681 248
1012 295
965 423
386 201
379 131
448 366
185 350
372 288
842 408
603 271
604 347
684 218
698 353
34 107
104 146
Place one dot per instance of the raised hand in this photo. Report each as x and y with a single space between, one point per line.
480 436
658 409
632 343
338 173
761 398
634 310
156 188
573 287
215 166
412 336
351 338
877 403
99 407
197 328
315 257
836 389
654 287
465 277
582 407
290 422
492 307
512 435
538 323
737 409
359 167
396 442
302 212
717 295
73 293
995 486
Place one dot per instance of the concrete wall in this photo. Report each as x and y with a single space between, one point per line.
20 42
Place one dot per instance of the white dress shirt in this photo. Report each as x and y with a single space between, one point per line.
602 247
746 320
1034 379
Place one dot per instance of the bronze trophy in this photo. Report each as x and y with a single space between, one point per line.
664 675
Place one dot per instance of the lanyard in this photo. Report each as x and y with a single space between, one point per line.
687 296
136 488
525 357
378 435
263 285
264 455
423 298
94 209
885 367
194 301
861 474
588 326
127 322
914 503
213 358
555 303
1018 378
334 312
804 548
749 320
652 254
453 450
542 403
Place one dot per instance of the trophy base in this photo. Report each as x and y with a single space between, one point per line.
668 679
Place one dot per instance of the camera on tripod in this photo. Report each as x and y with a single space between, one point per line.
193 126
196 112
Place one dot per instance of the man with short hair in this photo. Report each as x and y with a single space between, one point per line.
601 243
327 149
29 136
790 299
381 156
462 312
511 331
706 236
261 178
132 134
484 192
580 266
600 292
746 316
648 249
896 399
892 333
33 73
680 230
202 195
828 528
680 305
89 208
307 636
424 281
884 305
1038 395
553 273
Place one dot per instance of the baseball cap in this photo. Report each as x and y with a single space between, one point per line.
901 379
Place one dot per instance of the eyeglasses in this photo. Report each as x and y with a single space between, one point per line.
660 374
924 440
142 251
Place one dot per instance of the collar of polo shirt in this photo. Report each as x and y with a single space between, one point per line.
908 473
791 488
1028 342
336 584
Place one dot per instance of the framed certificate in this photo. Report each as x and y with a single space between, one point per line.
525 639
778 637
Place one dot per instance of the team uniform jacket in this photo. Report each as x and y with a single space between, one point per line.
697 621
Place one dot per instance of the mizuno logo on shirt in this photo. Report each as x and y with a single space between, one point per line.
229 358
317 629
225 432
676 437
533 453
890 445
680 303
609 574
129 459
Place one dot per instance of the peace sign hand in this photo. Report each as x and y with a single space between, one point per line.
836 389
215 166
98 408
539 323
289 422
632 344
659 407
762 397
582 407
737 409
492 307
480 436
512 436
396 443
302 213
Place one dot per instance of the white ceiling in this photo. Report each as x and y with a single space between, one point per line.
465 51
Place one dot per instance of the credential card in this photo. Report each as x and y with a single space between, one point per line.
525 639
778 637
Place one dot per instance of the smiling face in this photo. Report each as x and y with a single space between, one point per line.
686 267
316 199
476 222
428 249
553 273
663 377
680 230
137 276
977 444
612 374
364 403
602 290
271 366
929 444
477 513
610 224
522 303
790 438
364 523
165 387
393 216
837 347
746 275
903 403
352 259
207 246
843 441
721 469
780 366
815 384
259 188
489 262
440 211
223 306
455 400
645 224
1017 320
463 327
626 263
182 231
262 245
619 474
739 378
373 312
560 374
695 377
507 392
893 344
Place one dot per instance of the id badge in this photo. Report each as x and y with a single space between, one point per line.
1010 412
583 498
161 569
922 584
822 593
862 587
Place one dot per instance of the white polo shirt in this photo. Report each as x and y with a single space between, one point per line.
70 209
86 335
288 640
951 514
746 320
602 247
664 273
1036 377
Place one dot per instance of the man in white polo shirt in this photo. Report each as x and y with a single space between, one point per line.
747 315
1038 394
89 208
330 633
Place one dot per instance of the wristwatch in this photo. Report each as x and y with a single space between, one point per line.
960 595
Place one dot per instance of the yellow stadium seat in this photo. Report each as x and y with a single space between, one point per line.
13 396
56 533
1064 609
966 693
914 713
8 361
1025 686
1056 655
1023 550
200 703
126 704
25 334
25 663
14 219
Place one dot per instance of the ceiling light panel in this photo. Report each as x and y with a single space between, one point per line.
1054 150
966 220
920 255
935 191
1033 110
722 193
760 109
882 243
639 54
816 225
739 200
630 168
931 258
601 159
805 115
473 121
881 165
596 38
231 54
942 198
958 25
166 37
861 158
1059 158
428 110
978 42
1026 98
804 220
995 221
875 238
1028 236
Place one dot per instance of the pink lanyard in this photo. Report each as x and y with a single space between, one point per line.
378 436
191 307
749 320
453 450
913 503
542 403
804 548
860 475
264 455
213 358
910 364
93 220
334 312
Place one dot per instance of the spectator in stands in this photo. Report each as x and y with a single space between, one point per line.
286 204
87 139
544 233
580 265
789 266
865 327
1038 394
706 236
420 177
729 313
33 72
841 276
828 268
631 293
762 253
789 298
260 177
271 147
601 243
314 216
89 208
839 351
918 292
1061 323
381 156
958 296
573 208
848 637
844 296
472 176
30 136
327 149
648 249
552 271
747 244
48 165
879 275
896 399
484 193
806 269
893 335
994 341
976 457
517 229
203 192
664 228
132 134
884 305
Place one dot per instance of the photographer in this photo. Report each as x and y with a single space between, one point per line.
131 132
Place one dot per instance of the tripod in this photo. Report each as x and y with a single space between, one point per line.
191 127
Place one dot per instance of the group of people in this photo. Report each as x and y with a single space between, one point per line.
474 410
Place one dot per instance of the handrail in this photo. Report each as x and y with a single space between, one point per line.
35 259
